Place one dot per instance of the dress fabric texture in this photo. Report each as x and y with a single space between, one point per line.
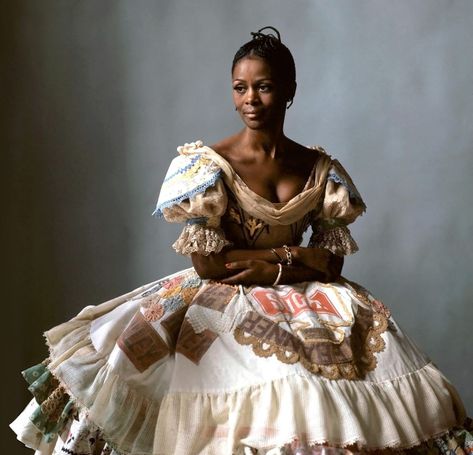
189 366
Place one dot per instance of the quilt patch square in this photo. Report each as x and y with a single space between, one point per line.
173 323
215 296
142 344
194 345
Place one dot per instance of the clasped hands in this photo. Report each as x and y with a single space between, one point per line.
307 264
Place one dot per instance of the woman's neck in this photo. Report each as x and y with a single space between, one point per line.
269 143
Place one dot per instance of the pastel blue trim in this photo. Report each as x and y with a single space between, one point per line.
177 200
183 169
334 177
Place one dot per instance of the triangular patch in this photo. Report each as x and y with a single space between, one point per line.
320 303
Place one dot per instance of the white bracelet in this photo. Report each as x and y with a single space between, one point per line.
276 281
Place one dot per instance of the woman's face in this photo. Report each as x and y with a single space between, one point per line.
259 98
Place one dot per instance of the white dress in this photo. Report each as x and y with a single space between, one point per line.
184 366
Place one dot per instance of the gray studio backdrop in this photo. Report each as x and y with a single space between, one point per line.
99 94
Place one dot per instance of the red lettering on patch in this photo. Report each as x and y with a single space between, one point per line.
293 303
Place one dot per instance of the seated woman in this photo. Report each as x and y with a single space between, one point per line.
262 347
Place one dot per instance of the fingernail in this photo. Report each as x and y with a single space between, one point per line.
228 265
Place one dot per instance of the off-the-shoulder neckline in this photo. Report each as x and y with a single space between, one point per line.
257 196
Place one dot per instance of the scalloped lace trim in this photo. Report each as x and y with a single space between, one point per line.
337 240
196 238
373 343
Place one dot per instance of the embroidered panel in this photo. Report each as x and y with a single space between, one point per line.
245 231
170 295
153 309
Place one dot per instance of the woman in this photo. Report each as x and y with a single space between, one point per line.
261 347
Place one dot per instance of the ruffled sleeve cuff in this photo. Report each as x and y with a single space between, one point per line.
200 238
338 240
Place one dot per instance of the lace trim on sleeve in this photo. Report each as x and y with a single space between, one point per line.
198 238
337 240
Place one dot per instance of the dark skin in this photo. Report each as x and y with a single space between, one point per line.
276 168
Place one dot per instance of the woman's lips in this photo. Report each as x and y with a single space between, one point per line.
252 114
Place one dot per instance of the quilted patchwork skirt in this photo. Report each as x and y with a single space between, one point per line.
183 366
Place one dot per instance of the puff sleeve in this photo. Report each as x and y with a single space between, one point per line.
193 193
341 205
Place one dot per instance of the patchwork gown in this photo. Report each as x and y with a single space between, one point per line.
185 366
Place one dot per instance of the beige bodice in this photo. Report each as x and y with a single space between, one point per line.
221 210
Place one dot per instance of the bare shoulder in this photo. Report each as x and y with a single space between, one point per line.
228 147
303 155
304 149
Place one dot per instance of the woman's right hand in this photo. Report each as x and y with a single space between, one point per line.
253 271
263 270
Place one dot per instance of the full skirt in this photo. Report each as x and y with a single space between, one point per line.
183 366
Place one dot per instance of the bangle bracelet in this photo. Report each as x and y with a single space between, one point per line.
288 252
278 278
280 259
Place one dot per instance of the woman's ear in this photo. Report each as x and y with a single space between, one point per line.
291 92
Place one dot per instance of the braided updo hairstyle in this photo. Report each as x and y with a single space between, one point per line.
270 48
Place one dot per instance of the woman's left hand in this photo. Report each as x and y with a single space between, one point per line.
314 258
253 271
319 259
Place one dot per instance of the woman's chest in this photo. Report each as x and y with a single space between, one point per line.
273 181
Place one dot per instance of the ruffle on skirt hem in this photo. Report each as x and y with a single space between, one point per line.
54 406
85 438
203 423
458 441
398 414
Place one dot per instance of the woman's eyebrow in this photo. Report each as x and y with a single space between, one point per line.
263 79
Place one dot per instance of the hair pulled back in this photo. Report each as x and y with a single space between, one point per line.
270 48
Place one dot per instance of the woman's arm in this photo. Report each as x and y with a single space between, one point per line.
260 266
263 273
213 266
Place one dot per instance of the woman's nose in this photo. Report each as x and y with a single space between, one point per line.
251 96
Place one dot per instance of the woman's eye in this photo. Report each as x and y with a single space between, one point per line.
239 88
264 88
